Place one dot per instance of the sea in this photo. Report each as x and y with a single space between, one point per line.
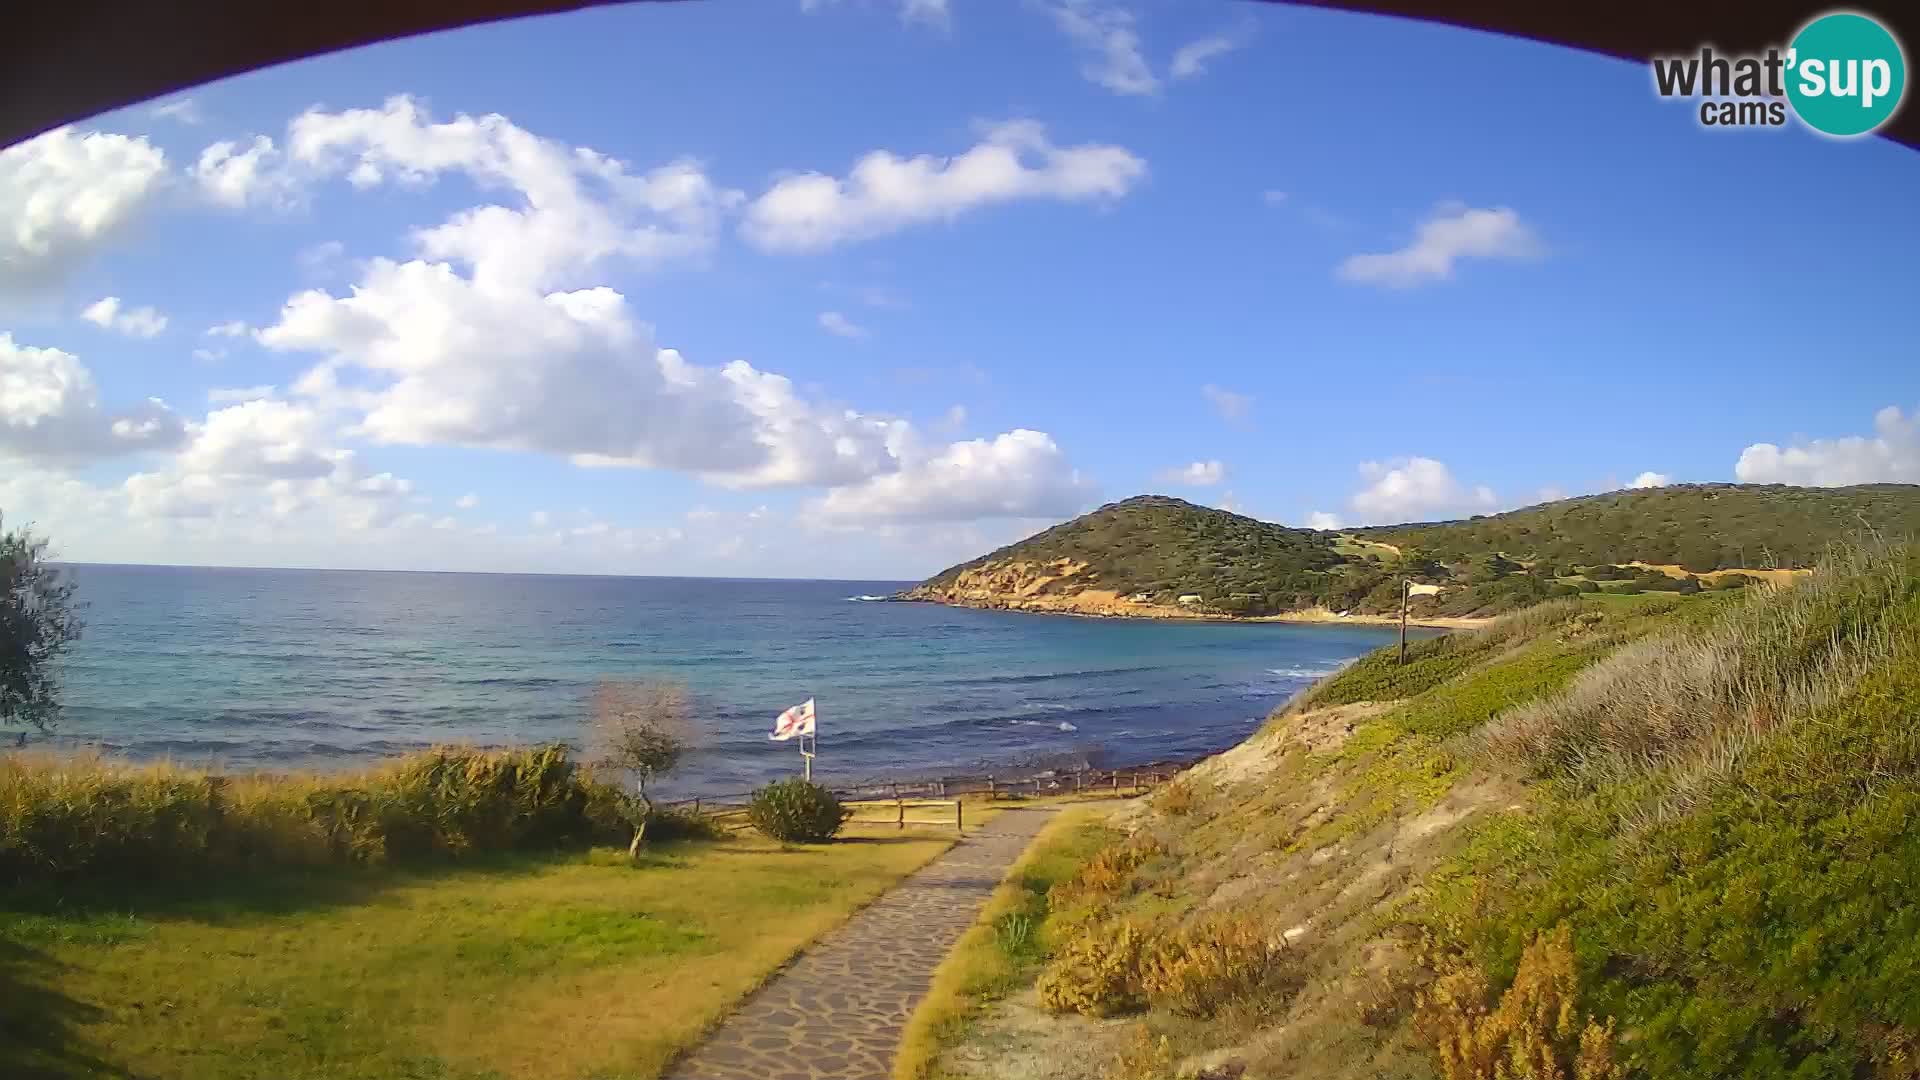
253 669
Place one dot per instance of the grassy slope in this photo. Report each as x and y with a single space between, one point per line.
509 966
1716 796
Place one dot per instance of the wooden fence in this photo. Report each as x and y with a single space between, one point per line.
942 798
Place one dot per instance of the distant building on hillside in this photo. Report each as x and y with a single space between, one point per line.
1189 598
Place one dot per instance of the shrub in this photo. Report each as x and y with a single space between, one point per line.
1106 875
1212 963
1097 972
1178 798
796 811
37 623
1535 1033
63 819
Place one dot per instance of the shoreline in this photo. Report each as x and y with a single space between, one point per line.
1148 613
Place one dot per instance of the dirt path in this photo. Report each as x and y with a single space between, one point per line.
836 1012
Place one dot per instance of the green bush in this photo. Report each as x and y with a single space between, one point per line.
63 819
795 811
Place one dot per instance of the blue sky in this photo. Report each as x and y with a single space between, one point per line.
1312 266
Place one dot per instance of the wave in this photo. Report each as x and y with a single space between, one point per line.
870 598
1304 672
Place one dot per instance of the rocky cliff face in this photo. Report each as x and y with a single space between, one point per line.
1058 586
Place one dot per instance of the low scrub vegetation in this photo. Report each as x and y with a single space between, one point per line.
796 811
70 818
1608 838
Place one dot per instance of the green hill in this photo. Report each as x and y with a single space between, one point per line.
1700 527
1156 555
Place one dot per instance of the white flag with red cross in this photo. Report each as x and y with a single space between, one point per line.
794 722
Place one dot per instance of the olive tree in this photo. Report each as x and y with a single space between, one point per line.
38 620
641 728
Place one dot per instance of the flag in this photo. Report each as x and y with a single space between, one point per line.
1417 589
795 721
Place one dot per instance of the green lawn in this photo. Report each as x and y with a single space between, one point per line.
559 966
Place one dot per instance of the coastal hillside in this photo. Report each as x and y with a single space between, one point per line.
1698 527
1636 839
1157 556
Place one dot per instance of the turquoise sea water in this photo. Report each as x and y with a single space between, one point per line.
274 668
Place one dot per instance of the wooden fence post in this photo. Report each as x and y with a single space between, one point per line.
991 793
901 808
1116 783
696 806
959 817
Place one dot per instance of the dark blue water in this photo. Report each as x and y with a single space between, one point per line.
275 668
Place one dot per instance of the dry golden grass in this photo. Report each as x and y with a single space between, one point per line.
1771 577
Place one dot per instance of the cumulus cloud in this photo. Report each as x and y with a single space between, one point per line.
1198 474
1450 235
50 411
840 326
253 175
1416 488
884 192
1232 407
64 195
1018 474
1324 521
271 458
1649 479
140 322
574 207
1890 455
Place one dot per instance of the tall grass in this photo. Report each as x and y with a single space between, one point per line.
1674 712
69 817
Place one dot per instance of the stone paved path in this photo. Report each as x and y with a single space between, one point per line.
836 1013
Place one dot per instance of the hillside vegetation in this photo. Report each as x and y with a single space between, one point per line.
1155 555
1699 527
1665 838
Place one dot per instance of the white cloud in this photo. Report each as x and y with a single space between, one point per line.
64 195
576 205
466 502
1417 488
226 395
1323 521
180 110
1650 479
232 329
1018 474
953 421
255 175
1105 35
1198 474
1890 455
884 193
1451 234
840 326
1232 407
140 322
1191 59
928 12
50 411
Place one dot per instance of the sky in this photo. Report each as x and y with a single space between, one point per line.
863 288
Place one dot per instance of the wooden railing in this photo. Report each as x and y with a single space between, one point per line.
890 800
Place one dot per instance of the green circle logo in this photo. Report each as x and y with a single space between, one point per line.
1845 74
